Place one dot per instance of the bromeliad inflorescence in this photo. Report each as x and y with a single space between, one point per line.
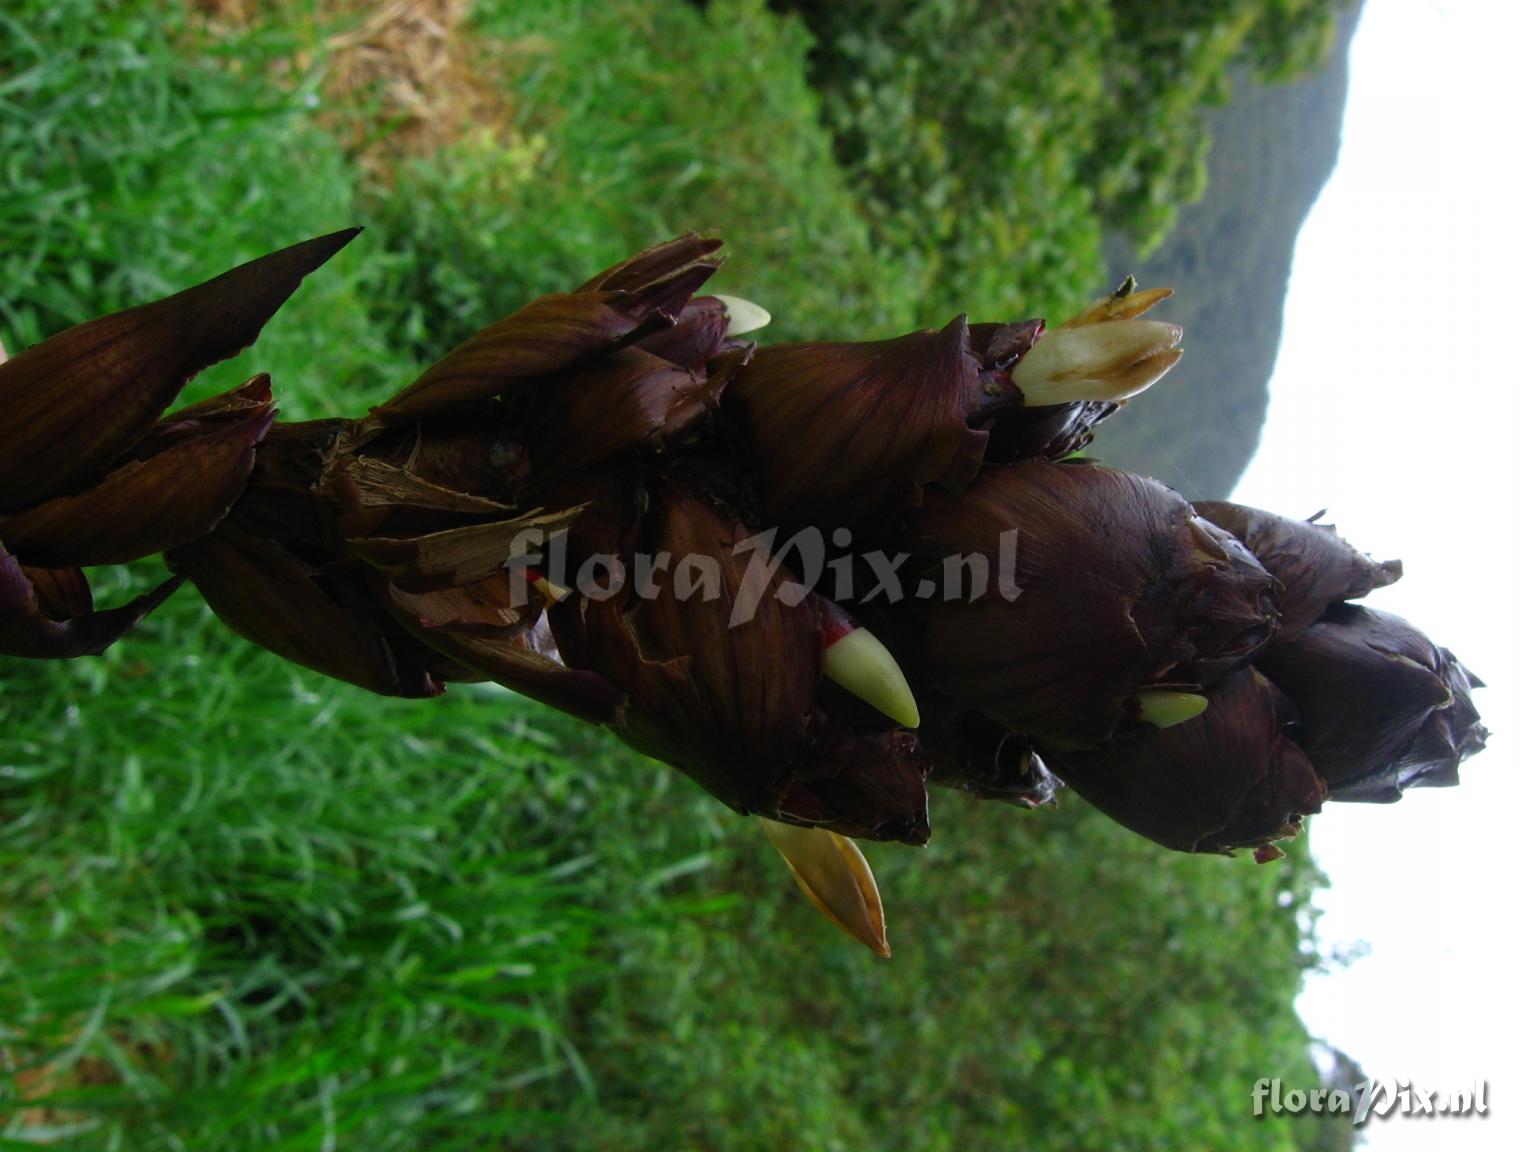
817 578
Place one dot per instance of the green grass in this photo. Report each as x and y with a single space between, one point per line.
130 170
636 121
221 871
473 923
243 907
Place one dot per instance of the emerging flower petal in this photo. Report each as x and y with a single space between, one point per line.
855 659
1167 709
745 315
1112 360
836 878
1124 303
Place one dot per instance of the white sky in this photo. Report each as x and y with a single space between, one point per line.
1401 403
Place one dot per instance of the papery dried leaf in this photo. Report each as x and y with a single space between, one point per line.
480 451
79 400
372 494
280 501
457 556
483 608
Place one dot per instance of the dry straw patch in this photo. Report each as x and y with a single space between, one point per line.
36 1118
400 78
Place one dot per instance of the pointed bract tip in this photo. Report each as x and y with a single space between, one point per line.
835 878
1166 709
860 663
546 587
1125 303
79 401
743 315
319 249
554 592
